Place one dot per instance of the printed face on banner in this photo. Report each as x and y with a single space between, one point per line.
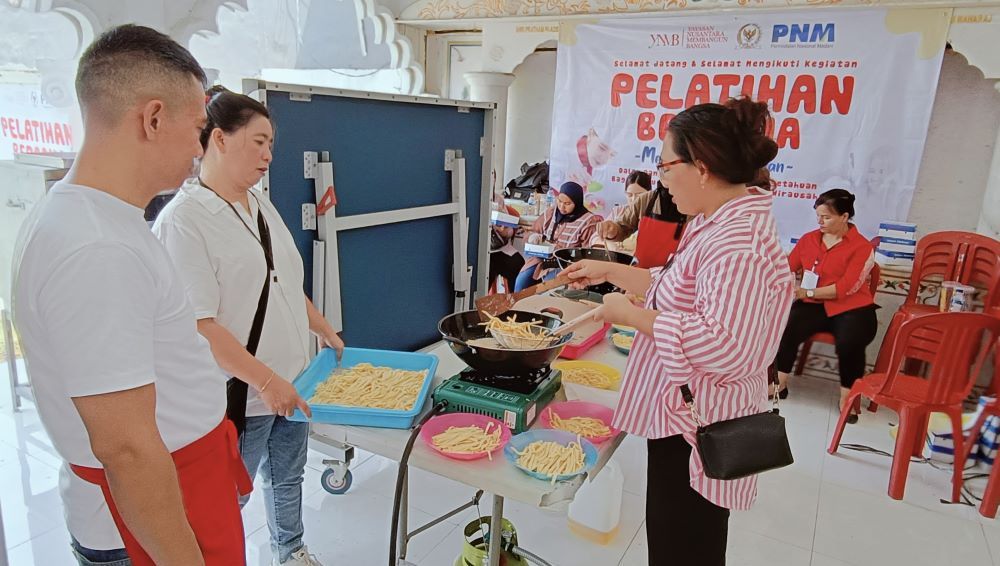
850 100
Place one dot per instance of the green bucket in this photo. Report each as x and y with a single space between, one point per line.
474 547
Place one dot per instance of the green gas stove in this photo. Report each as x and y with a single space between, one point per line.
514 399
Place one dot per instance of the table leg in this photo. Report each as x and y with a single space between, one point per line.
404 503
496 531
8 338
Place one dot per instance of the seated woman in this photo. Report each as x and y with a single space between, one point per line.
637 184
833 297
568 224
653 218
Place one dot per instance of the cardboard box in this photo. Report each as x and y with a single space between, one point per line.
907 248
539 250
503 219
898 230
894 258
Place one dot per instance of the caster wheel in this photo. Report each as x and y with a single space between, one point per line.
331 485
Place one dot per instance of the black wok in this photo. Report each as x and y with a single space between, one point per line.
568 256
459 328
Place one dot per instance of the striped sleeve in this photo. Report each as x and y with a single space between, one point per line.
588 233
723 331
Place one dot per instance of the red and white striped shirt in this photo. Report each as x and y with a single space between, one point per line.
723 305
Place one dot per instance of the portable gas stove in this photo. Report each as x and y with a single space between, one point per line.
514 399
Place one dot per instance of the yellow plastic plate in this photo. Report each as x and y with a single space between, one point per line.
607 370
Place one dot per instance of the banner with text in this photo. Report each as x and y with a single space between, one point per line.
29 125
851 93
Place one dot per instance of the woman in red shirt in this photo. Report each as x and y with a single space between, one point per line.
833 296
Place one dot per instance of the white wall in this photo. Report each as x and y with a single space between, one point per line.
529 113
956 162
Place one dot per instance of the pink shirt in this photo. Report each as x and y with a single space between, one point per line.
723 305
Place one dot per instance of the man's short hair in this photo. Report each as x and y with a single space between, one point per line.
128 62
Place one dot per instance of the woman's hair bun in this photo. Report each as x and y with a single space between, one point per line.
748 121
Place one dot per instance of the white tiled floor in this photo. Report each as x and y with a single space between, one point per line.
823 511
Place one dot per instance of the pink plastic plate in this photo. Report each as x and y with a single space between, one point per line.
441 423
570 409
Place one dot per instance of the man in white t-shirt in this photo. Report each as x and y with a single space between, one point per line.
125 386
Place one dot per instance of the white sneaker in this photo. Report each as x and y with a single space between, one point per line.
300 557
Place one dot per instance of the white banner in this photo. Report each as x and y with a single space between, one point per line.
851 93
29 125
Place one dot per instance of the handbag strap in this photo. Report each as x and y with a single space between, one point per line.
772 379
258 317
236 389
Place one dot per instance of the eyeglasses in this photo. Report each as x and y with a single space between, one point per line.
664 167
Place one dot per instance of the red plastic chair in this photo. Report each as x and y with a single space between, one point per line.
991 496
874 277
953 345
966 257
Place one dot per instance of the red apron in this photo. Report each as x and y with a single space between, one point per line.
210 472
659 234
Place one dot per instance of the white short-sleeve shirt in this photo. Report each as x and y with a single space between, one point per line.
100 308
217 252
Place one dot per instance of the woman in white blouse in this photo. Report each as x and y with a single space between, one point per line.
238 262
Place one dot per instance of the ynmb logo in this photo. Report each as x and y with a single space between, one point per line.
664 40
805 35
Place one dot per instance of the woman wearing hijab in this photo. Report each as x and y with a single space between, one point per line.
568 224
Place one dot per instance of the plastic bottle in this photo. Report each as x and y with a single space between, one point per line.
595 511
957 303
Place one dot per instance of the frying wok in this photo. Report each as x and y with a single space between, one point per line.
460 328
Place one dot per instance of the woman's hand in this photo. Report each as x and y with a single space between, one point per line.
800 293
281 398
535 238
505 232
608 229
617 309
589 272
328 338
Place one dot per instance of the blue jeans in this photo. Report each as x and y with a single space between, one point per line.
90 557
277 446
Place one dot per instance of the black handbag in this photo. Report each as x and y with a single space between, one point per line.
743 446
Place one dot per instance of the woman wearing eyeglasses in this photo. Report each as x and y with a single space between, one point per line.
650 215
712 320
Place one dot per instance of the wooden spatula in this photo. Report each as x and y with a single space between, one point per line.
585 317
497 304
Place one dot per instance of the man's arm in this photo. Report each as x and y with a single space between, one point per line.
140 472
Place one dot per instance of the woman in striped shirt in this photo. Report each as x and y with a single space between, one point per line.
712 319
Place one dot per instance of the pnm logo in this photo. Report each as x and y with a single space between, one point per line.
664 40
748 36
803 33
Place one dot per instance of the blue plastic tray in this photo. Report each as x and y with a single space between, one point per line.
521 441
324 363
